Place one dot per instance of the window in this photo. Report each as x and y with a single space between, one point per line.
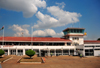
89 52
98 46
68 44
80 31
72 30
77 31
75 38
89 46
76 44
97 49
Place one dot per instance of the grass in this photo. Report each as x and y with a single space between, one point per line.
33 59
4 58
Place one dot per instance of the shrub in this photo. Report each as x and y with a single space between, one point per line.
1 52
30 53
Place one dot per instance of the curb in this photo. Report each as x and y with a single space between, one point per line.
7 59
18 61
30 62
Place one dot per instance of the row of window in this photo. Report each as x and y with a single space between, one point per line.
75 38
75 31
80 49
34 43
92 46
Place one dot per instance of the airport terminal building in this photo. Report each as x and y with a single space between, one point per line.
72 43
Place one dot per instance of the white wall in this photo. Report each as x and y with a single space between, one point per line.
38 47
80 41
96 52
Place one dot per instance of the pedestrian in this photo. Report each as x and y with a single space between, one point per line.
51 54
80 55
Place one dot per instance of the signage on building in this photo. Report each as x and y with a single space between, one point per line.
7 46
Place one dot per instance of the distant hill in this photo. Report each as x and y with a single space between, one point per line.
45 36
48 36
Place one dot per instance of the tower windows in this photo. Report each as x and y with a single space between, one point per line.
75 38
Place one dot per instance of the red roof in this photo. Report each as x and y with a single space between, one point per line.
34 39
91 41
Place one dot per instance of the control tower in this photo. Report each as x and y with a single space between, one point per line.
75 34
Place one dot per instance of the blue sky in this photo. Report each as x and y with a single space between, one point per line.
49 17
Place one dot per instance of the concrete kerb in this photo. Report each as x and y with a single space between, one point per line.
30 62
6 60
18 61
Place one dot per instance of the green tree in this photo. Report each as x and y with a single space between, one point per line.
98 39
1 52
30 53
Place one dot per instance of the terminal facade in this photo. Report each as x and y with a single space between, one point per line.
72 43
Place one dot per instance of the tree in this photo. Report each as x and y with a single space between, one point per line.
1 52
98 39
30 53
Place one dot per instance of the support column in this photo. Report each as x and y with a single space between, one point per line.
55 52
39 52
69 51
62 51
74 51
48 52
24 51
32 48
16 50
65 43
8 51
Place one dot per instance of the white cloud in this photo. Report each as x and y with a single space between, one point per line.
25 26
47 32
62 4
28 7
62 18
19 30
45 21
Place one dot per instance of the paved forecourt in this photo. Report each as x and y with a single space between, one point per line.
57 62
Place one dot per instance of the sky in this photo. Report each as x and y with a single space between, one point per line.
49 17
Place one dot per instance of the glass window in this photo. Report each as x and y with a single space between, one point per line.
72 30
80 31
73 38
97 49
87 54
77 31
86 50
98 46
71 51
68 44
91 50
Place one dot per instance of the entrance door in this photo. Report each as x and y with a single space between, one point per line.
12 52
65 52
58 52
89 52
20 52
42 53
